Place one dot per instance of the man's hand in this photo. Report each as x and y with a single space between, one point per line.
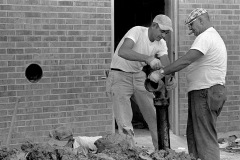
155 76
171 83
154 63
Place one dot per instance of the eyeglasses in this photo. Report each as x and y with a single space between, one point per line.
165 31
190 24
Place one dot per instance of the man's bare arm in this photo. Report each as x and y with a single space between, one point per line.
126 52
191 56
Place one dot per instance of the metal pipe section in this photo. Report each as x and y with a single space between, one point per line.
163 126
161 103
176 41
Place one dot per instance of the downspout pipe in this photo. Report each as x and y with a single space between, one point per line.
176 112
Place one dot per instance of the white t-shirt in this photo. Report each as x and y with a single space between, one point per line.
211 68
142 45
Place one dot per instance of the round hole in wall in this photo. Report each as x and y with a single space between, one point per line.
33 73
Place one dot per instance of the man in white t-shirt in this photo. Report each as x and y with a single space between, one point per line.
139 47
206 63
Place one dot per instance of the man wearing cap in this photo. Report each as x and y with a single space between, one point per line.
206 63
139 47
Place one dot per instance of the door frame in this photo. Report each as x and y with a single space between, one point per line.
112 51
171 10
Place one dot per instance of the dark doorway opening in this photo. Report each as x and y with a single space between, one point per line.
130 13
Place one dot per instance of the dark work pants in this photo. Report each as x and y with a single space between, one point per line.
204 106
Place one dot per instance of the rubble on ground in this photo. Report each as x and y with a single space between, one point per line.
118 150
170 154
230 144
109 147
118 147
6 154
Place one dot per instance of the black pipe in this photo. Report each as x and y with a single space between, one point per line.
161 104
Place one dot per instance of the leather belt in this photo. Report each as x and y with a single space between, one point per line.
116 69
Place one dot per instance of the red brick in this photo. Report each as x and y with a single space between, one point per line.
41 104
233 128
73 102
57 33
104 111
6 7
4 125
49 15
50 109
66 120
69 38
50 121
25 129
3 38
50 97
49 27
43 127
100 117
7 94
58 103
3 51
32 50
66 108
58 115
41 33
41 116
3 112
82 119
50 39
74 90
222 129
65 3
77 3
15 51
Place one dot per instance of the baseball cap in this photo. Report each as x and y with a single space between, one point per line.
164 22
195 14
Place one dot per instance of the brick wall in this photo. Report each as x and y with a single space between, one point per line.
225 15
71 41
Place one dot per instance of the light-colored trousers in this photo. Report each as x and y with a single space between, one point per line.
122 86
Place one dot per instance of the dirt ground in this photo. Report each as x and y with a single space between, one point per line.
178 143
229 156
111 147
